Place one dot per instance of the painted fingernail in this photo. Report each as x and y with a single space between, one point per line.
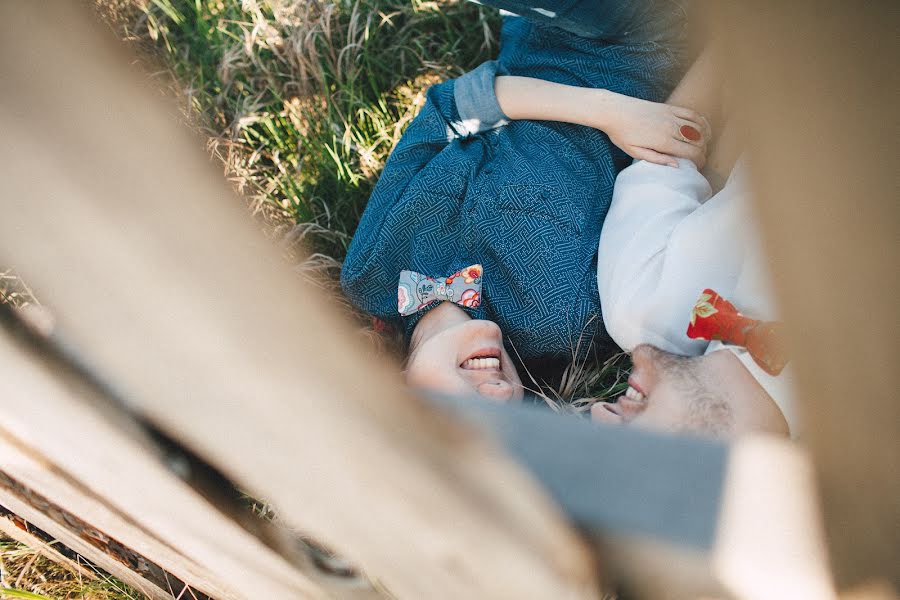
689 133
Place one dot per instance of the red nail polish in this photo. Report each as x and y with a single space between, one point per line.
689 133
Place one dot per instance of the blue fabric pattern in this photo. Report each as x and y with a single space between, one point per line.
526 199
626 22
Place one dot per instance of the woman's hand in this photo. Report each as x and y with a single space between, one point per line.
652 131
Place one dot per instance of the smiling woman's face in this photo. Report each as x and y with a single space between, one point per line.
454 354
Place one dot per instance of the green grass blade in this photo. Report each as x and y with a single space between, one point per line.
12 593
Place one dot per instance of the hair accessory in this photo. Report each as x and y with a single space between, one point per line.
416 291
715 318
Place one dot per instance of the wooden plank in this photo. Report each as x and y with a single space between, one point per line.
11 530
20 506
165 289
59 437
43 479
819 93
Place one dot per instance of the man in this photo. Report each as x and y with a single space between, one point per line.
670 254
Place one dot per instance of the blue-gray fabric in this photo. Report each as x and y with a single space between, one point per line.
526 199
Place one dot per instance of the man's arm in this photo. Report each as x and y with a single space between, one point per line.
664 240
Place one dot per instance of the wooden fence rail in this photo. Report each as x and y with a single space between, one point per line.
60 440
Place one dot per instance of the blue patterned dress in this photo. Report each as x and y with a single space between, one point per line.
526 199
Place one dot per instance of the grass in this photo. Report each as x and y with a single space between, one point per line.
14 291
302 101
24 573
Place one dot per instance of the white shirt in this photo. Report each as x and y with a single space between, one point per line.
667 238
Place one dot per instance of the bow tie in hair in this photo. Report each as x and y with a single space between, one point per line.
416 291
715 318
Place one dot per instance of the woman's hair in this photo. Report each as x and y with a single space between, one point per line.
385 339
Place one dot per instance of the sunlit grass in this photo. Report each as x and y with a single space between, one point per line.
304 100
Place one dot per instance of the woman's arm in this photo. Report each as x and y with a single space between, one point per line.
645 130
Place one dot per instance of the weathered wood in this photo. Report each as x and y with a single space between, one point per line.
43 479
164 288
58 438
11 530
817 84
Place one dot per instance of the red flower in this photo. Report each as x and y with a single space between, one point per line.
470 299
472 273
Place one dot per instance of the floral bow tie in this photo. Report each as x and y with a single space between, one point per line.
416 291
715 318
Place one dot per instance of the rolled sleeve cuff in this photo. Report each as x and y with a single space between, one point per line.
476 101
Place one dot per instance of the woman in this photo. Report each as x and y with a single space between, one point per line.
481 235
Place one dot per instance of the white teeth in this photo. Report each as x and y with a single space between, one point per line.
478 364
633 394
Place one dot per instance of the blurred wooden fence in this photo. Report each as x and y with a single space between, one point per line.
188 360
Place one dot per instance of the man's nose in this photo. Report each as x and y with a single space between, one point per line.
642 355
499 390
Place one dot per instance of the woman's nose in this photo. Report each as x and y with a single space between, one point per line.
499 390
486 328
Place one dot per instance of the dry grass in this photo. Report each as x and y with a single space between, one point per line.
24 569
14 291
302 100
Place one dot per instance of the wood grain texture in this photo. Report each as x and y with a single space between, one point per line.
21 507
164 288
11 530
44 479
58 439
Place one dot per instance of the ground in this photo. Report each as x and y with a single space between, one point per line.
300 102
